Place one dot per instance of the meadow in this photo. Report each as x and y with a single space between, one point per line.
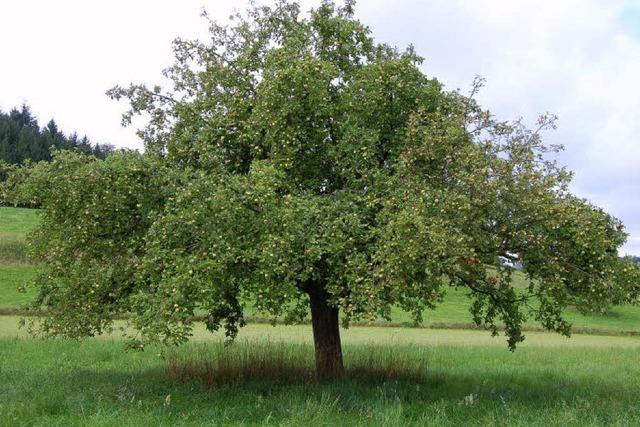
442 374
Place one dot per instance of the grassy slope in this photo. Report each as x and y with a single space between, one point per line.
455 310
15 269
11 278
18 220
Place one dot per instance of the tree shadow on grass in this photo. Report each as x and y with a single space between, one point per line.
159 391
251 383
270 369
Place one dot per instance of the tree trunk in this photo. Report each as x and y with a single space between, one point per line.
326 335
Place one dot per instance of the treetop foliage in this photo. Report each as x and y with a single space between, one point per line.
296 156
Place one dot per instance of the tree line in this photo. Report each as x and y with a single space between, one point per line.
23 140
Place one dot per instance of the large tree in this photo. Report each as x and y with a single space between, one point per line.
298 166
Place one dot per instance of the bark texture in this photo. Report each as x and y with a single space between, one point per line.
326 335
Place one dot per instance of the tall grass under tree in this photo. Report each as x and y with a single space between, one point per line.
300 166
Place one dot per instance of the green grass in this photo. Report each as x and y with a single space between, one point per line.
18 220
455 311
15 267
14 224
11 278
426 377
365 335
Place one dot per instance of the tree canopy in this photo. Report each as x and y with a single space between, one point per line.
299 166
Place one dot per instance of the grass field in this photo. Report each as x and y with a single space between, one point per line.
14 224
17 220
395 375
446 378
15 267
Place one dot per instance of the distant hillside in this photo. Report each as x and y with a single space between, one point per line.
22 139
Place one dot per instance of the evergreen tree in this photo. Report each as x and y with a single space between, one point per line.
21 139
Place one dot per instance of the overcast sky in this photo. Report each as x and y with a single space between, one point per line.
579 59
